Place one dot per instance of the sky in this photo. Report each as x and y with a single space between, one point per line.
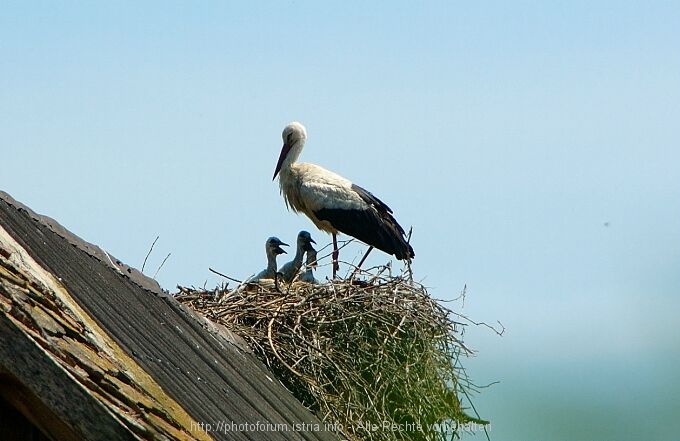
532 146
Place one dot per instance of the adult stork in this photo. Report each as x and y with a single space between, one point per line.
334 203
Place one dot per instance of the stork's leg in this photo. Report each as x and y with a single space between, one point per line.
368 251
335 255
361 262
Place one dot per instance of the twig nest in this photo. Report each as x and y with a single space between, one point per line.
381 351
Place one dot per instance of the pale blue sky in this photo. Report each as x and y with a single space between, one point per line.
506 134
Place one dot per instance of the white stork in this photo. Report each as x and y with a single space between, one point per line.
334 203
291 269
272 248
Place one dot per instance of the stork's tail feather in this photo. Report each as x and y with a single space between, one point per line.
402 250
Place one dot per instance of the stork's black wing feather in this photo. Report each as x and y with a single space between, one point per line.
373 225
371 199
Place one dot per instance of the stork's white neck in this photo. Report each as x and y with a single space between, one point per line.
293 154
271 261
299 254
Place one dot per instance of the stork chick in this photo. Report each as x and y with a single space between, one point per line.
291 269
310 264
272 248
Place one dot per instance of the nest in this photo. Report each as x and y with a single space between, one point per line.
378 359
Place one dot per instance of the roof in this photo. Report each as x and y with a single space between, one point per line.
90 348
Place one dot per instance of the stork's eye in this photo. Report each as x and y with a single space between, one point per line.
288 137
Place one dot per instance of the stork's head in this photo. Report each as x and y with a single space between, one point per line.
293 132
294 136
304 240
273 246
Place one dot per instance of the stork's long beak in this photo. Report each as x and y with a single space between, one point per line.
284 152
279 250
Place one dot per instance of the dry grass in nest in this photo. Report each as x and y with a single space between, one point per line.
381 352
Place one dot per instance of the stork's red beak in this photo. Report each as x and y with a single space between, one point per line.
284 152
